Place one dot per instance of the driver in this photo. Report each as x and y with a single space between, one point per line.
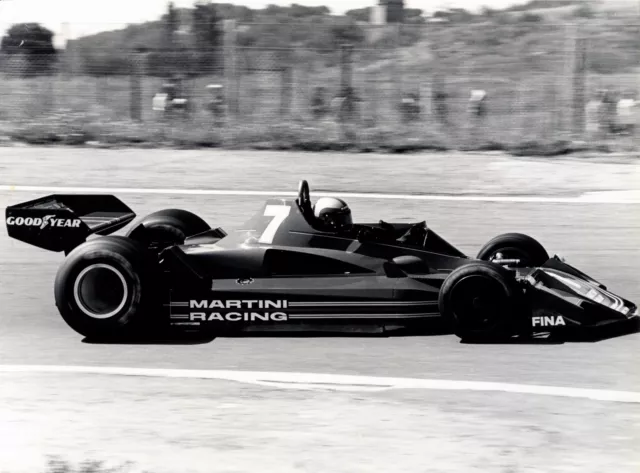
333 213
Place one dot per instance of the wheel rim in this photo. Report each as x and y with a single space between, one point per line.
478 302
100 291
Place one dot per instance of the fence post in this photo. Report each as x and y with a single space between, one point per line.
579 81
286 79
636 111
552 115
230 66
346 67
69 66
135 62
439 100
565 83
374 97
398 75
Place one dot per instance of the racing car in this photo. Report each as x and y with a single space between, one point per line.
298 263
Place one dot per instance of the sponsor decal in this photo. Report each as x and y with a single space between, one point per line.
198 311
237 304
238 316
232 311
44 222
548 321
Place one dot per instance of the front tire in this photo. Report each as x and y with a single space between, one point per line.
479 301
514 246
104 288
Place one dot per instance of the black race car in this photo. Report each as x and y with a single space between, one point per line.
283 267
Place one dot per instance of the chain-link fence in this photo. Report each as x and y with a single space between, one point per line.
483 83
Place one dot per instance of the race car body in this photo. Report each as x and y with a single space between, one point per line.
284 267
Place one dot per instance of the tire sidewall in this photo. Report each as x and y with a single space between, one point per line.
165 232
515 241
168 227
124 261
509 303
188 222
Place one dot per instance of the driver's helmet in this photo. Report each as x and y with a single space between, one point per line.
332 212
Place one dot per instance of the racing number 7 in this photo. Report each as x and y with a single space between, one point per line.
279 214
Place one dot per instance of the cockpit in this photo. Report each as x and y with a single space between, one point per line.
333 215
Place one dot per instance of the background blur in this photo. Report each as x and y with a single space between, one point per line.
215 73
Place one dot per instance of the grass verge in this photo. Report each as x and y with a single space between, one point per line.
88 130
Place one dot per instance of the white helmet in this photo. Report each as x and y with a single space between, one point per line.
333 212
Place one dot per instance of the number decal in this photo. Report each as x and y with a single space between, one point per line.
279 214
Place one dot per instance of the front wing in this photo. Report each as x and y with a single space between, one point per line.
560 297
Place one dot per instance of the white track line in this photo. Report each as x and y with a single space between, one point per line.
625 197
333 381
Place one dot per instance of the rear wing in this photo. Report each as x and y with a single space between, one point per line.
62 222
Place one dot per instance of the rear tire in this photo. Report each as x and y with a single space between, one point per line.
515 246
104 288
479 301
165 228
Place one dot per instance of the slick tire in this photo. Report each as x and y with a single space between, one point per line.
515 245
168 227
104 288
480 301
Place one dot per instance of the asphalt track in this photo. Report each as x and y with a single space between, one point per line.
599 238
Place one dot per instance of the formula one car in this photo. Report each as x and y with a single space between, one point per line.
288 266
